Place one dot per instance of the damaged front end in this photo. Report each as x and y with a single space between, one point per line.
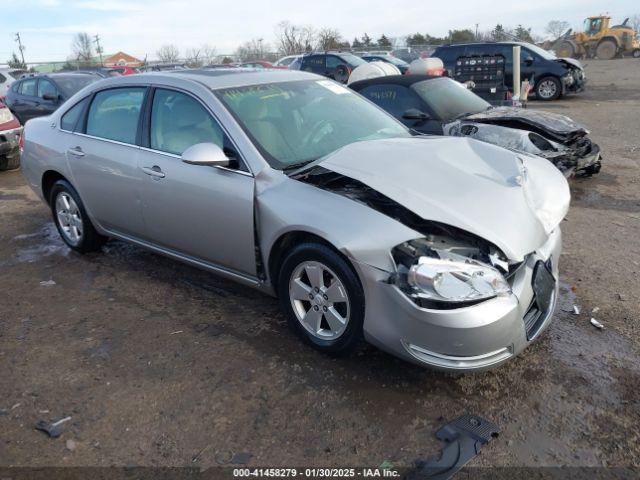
554 137
447 268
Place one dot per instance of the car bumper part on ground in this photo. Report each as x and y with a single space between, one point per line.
465 339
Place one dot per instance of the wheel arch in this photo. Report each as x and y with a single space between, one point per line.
286 242
613 38
49 178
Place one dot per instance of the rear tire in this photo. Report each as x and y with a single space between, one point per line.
327 310
606 50
71 219
548 88
636 53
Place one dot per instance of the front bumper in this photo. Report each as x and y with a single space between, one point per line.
466 339
9 145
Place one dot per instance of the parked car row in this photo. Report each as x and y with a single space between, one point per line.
442 250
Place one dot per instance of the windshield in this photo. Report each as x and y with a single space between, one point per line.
395 60
352 60
297 122
449 99
70 84
541 51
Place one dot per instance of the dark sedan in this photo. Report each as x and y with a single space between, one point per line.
39 95
442 106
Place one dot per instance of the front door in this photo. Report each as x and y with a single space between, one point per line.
203 212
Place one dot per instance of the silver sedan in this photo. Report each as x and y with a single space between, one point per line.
443 251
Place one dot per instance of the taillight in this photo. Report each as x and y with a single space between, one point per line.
21 142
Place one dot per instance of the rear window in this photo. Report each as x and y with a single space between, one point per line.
114 114
28 87
72 84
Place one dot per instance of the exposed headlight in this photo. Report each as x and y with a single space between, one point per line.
5 115
461 280
568 78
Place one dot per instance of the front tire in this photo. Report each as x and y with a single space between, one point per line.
548 88
322 298
71 219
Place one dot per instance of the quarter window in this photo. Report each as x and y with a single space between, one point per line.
28 87
114 114
69 119
179 121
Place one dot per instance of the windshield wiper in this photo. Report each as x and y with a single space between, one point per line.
295 166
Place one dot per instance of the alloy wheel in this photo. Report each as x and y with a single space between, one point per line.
319 300
69 218
547 88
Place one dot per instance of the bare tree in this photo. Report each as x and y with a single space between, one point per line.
634 22
82 48
555 28
328 39
193 57
208 54
168 54
254 49
292 39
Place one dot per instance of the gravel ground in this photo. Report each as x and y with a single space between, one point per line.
161 364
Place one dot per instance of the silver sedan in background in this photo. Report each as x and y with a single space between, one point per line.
443 251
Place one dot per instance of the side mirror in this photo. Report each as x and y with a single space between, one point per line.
207 154
528 61
51 97
415 114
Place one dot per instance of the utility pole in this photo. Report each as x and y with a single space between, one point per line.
476 32
21 48
96 40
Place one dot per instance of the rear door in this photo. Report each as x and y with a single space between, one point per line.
47 106
103 158
202 212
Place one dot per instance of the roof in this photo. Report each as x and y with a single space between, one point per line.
121 55
404 80
502 42
234 77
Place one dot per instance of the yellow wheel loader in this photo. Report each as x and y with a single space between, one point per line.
599 40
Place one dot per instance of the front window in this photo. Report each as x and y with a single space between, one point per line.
45 87
449 99
178 121
540 52
297 122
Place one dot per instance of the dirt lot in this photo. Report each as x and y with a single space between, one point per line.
160 364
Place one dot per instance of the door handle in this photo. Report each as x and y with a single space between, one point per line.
154 171
76 152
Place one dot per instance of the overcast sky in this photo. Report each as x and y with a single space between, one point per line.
139 27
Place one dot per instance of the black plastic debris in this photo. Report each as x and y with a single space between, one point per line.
54 430
464 437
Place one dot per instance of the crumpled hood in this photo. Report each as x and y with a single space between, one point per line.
461 182
571 61
546 122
